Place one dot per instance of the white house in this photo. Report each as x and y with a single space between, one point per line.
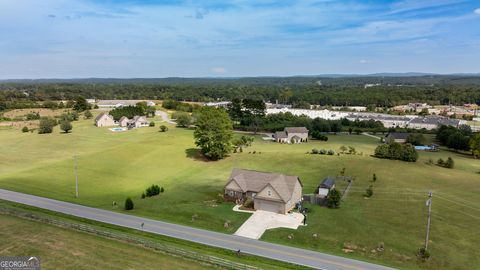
104 120
138 122
292 135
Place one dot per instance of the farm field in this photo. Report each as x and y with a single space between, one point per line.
113 166
60 248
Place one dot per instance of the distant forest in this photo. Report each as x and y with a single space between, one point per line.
318 90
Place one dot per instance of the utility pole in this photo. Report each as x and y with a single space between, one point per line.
429 204
76 176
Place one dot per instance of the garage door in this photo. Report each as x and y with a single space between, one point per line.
269 206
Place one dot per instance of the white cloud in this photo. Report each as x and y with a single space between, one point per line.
477 11
219 70
364 61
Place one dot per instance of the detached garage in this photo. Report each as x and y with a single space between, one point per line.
271 192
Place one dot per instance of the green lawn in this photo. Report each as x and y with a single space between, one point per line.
113 166
65 249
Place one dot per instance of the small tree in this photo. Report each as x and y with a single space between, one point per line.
25 129
46 125
129 204
66 126
152 124
163 128
333 199
81 104
374 179
87 114
183 119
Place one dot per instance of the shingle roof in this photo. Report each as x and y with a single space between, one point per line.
435 120
280 134
102 114
328 182
255 181
296 130
399 135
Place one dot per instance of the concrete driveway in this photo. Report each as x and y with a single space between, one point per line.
260 221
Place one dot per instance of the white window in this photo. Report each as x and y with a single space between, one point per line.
254 194
231 193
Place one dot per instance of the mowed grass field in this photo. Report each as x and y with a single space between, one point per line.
60 248
112 166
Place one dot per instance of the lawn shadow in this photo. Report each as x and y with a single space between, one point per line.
195 154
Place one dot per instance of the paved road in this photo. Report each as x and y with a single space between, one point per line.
231 242
165 117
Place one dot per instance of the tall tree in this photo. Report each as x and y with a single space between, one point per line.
213 132
81 104
475 145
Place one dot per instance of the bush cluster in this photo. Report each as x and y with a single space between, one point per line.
319 136
404 152
322 152
449 163
153 190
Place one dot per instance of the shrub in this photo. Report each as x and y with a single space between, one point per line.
143 195
374 179
32 116
248 203
423 253
440 162
152 124
449 163
314 151
331 152
163 128
162 190
25 129
333 198
129 204
369 191
152 191
322 152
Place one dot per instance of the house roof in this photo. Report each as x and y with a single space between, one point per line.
328 182
123 118
255 181
399 135
296 130
101 115
280 134
435 120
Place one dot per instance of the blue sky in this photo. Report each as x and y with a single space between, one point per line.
134 38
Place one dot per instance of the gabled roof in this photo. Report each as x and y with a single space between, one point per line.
399 135
255 181
280 135
328 182
123 118
101 115
296 130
